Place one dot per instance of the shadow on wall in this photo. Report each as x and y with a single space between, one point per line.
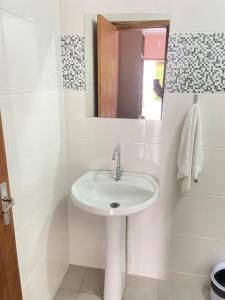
58 253
55 227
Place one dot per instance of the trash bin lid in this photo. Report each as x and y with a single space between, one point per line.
220 277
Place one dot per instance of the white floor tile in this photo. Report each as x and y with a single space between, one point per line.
143 294
65 295
73 278
84 296
138 287
89 283
172 291
141 282
93 282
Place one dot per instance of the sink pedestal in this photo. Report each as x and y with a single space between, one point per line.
115 268
97 192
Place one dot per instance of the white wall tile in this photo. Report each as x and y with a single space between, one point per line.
43 284
44 13
22 57
35 182
192 214
9 132
4 84
212 109
162 6
113 130
157 216
211 180
74 24
74 104
198 215
175 107
31 62
87 238
118 130
34 131
50 60
46 233
161 162
38 122
84 155
133 158
203 15
174 252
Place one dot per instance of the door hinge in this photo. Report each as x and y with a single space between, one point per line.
7 203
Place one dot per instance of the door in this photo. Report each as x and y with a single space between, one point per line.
108 61
10 288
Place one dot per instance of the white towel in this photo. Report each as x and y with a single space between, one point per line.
190 152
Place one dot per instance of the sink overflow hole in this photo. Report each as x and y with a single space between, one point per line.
114 205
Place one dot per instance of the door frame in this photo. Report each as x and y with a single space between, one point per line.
10 285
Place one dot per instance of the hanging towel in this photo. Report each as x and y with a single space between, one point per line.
190 152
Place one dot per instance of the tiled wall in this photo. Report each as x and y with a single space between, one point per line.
73 63
195 62
31 103
180 238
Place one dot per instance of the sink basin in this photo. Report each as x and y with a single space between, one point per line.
98 193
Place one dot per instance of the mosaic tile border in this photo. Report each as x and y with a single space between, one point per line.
195 63
73 62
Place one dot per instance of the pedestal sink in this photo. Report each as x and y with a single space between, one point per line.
97 192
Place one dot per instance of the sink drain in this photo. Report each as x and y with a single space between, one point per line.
114 205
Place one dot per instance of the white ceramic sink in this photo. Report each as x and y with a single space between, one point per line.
98 193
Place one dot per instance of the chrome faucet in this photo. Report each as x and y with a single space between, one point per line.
116 152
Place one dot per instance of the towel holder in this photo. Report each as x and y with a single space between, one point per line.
195 99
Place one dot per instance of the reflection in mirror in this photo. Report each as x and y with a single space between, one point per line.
125 67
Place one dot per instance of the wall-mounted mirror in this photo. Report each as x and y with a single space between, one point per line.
125 67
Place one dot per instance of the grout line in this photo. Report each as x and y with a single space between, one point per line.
40 153
86 270
188 284
32 272
175 272
58 282
71 90
122 142
113 141
177 234
13 94
172 145
33 93
30 21
191 93
49 200
213 147
210 195
145 139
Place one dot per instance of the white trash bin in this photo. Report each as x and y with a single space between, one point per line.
218 282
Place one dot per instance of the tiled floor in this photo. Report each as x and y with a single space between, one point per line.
82 283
